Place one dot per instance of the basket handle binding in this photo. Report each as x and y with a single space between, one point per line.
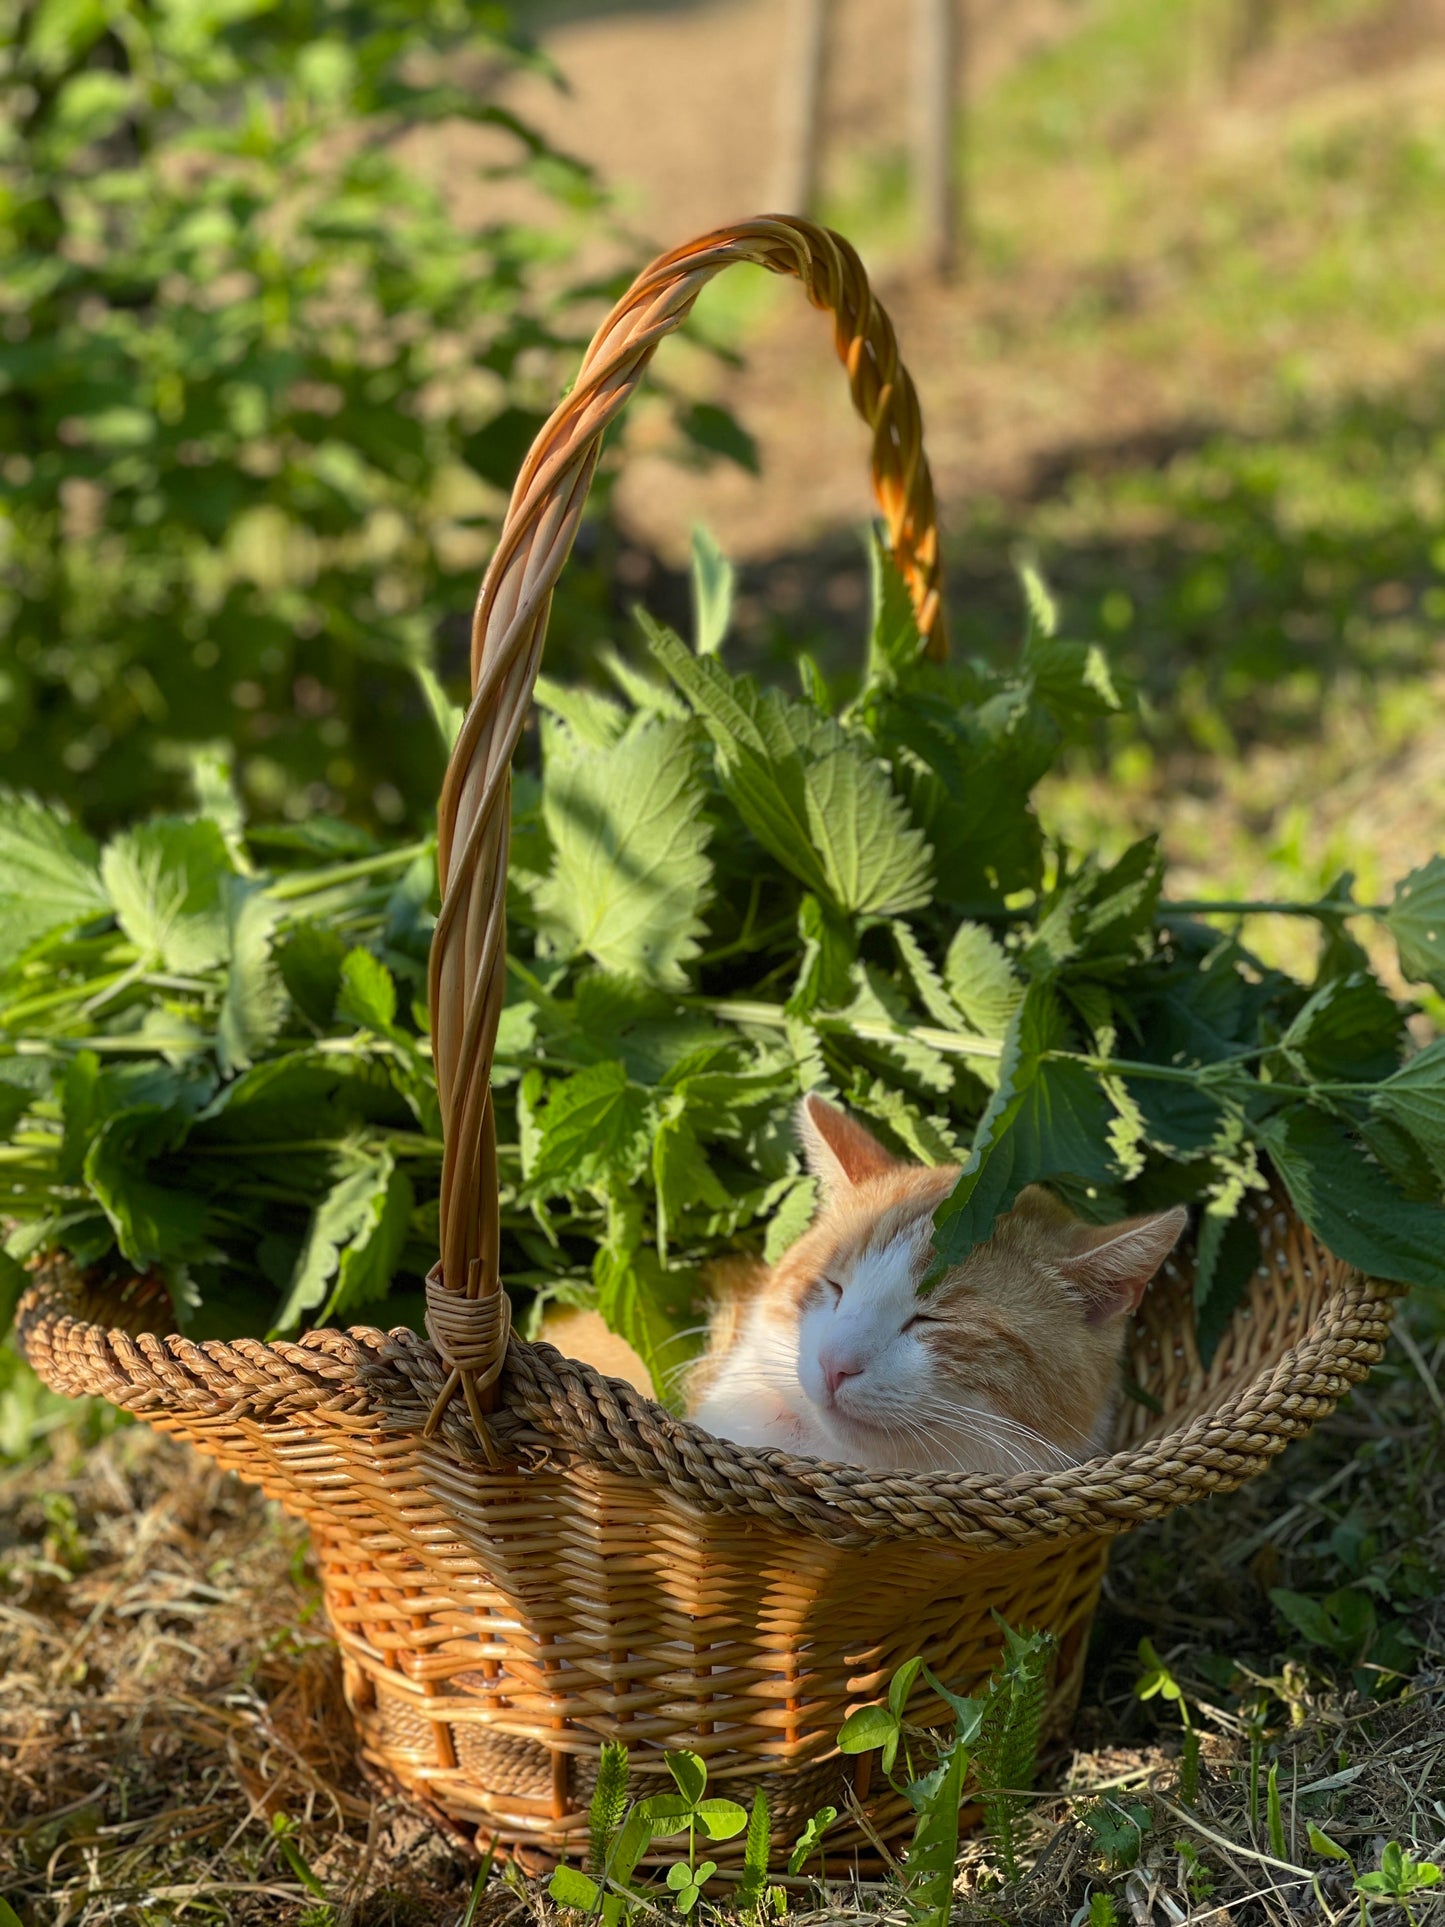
468 1314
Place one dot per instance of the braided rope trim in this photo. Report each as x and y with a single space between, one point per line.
557 1414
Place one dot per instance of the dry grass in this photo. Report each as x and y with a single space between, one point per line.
169 1688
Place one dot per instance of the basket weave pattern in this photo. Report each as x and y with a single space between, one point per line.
549 1559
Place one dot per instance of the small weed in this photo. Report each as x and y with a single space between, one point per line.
1159 1683
1400 1876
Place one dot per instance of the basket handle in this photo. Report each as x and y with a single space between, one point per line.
467 1312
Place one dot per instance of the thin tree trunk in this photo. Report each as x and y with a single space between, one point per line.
935 130
802 74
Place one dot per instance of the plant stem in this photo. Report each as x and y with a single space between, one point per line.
956 1043
1267 907
305 883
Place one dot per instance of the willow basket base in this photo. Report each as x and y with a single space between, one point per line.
450 1696
618 1574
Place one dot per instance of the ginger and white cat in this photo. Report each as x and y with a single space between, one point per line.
1010 1363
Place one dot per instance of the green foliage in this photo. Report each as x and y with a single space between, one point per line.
619 1835
609 1804
750 1894
1273 1818
1007 1745
1159 1683
935 1794
213 1059
1118 1831
1400 1874
260 386
810 1841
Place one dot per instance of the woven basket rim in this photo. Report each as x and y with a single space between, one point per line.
555 1411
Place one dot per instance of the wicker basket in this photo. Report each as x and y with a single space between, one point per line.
550 1560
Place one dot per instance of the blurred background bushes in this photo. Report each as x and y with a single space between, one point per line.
262 390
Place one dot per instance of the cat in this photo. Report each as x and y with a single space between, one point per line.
1009 1363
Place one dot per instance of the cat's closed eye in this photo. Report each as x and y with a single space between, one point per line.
835 1288
920 1318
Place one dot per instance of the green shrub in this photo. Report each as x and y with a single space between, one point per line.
260 386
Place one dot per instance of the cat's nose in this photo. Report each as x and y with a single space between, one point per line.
835 1371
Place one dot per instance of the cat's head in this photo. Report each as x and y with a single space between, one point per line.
1010 1360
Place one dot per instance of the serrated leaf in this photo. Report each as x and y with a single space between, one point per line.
680 1171
310 961
809 792
1414 1099
253 1008
166 881
981 980
370 1260
367 996
713 578
1351 1204
154 1223
790 1218
344 1213
594 719
1349 1029
630 873
649 1306
894 640
926 980
1416 920
595 1124
48 875
1226 1255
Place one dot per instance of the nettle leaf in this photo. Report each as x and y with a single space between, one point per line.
713 579
981 980
367 996
808 790
1350 1202
878 1001
48 875
680 1170
1226 1254
932 993
310 961
791 1218
594 719
630 875
166 881
155 1223
346 1212
986 1185
371 1259
648 1305
595 1125
830 953
895 642
1073 678
1416 920
1048 1118
1349 1029
1414 1099
253 1008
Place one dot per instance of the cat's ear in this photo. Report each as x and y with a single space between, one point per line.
1111 1264
836 1148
